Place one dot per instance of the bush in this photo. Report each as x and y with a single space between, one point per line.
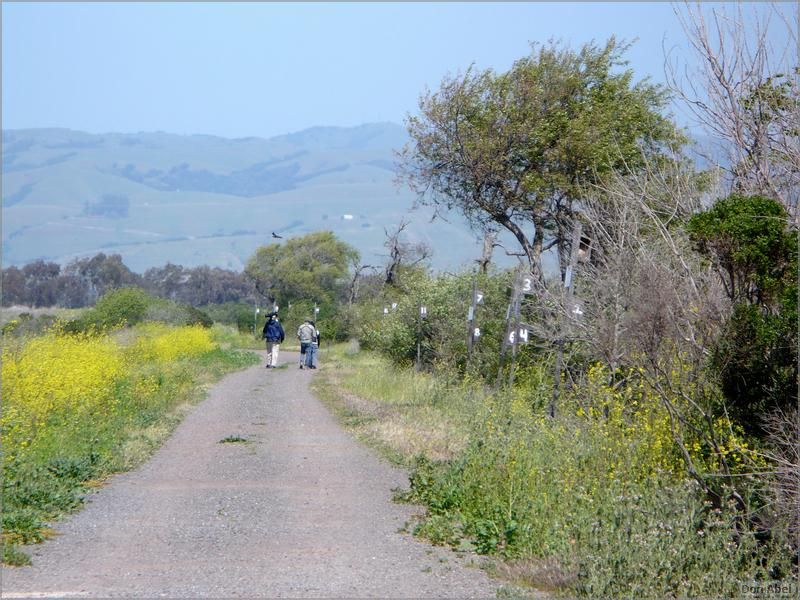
442 333
117 308
600 489
173 313
27 324
235 314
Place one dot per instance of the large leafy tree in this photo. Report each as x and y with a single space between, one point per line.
514 150
747 239
313 267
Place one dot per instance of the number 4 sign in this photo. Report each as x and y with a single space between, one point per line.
522 335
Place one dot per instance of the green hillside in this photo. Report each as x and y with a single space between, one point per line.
198 199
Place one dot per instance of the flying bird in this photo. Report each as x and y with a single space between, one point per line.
275 235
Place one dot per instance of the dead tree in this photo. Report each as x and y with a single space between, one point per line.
402 253
743 91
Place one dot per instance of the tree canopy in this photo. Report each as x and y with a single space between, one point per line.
311 267
514 149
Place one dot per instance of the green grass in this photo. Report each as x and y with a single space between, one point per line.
71 458
560 503
233 439
401 413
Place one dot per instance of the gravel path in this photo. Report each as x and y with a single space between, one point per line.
298 510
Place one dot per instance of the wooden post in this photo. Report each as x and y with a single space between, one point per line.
471 319
568 284
419 336
515 343
510 314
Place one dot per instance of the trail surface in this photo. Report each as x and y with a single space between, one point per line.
298 510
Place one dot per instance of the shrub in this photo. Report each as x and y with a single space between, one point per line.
173 313
80 406
601 489
119 307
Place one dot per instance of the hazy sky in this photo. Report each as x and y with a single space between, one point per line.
263 69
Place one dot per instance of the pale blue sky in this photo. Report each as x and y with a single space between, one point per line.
263 69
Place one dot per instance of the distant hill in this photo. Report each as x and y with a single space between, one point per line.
199 199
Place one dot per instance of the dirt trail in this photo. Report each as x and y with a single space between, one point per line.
298 510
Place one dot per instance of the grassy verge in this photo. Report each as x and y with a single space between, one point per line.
402 414
591 503
79 408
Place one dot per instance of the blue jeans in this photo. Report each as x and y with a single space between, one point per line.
311 355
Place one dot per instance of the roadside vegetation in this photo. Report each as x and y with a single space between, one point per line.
637 434
96 395
624 424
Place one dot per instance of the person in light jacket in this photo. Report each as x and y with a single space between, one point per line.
306 333
313 348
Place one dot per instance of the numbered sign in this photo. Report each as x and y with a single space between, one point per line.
476 333
518 336
386 310
568 277
316 310
528 282
394 305
479 298
423 311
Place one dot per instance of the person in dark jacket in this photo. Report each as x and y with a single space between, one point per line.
274 335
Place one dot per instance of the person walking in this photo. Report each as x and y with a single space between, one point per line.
306 334
274 335
313 348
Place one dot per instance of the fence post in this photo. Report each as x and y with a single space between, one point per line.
568 284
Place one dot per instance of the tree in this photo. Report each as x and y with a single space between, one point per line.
13 286
402 253
515 149
748 242
312 267
745 93
101 273
41 282
166 281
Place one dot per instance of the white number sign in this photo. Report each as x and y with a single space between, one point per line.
527 284
522 333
